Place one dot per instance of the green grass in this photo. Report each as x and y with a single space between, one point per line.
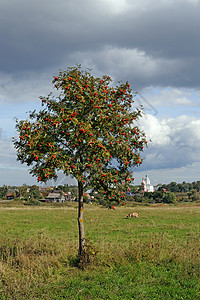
156 256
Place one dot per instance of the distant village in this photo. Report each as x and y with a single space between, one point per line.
58 194
143 193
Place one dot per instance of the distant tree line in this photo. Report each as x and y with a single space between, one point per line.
180 187
184 191
156 197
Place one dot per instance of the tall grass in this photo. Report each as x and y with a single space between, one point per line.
156 256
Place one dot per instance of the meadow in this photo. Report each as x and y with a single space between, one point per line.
156 256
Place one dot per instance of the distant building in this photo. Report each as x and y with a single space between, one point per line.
10 196
147 187
55 197
68 196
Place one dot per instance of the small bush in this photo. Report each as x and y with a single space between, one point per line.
33 202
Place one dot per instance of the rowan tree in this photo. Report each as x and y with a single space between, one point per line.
89 131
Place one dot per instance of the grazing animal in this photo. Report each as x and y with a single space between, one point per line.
132 215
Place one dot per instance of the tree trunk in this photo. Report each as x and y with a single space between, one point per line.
80 221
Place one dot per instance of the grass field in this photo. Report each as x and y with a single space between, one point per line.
156 256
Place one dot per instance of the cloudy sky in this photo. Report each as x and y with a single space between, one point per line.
155 45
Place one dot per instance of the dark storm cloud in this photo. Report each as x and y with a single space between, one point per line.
42 35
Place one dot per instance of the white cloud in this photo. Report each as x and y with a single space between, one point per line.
170 97
175 141
158 131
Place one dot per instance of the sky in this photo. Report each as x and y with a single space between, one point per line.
155 45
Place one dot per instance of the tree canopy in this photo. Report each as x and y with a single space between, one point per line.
88 131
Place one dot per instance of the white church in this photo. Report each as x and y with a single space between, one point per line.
147 184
